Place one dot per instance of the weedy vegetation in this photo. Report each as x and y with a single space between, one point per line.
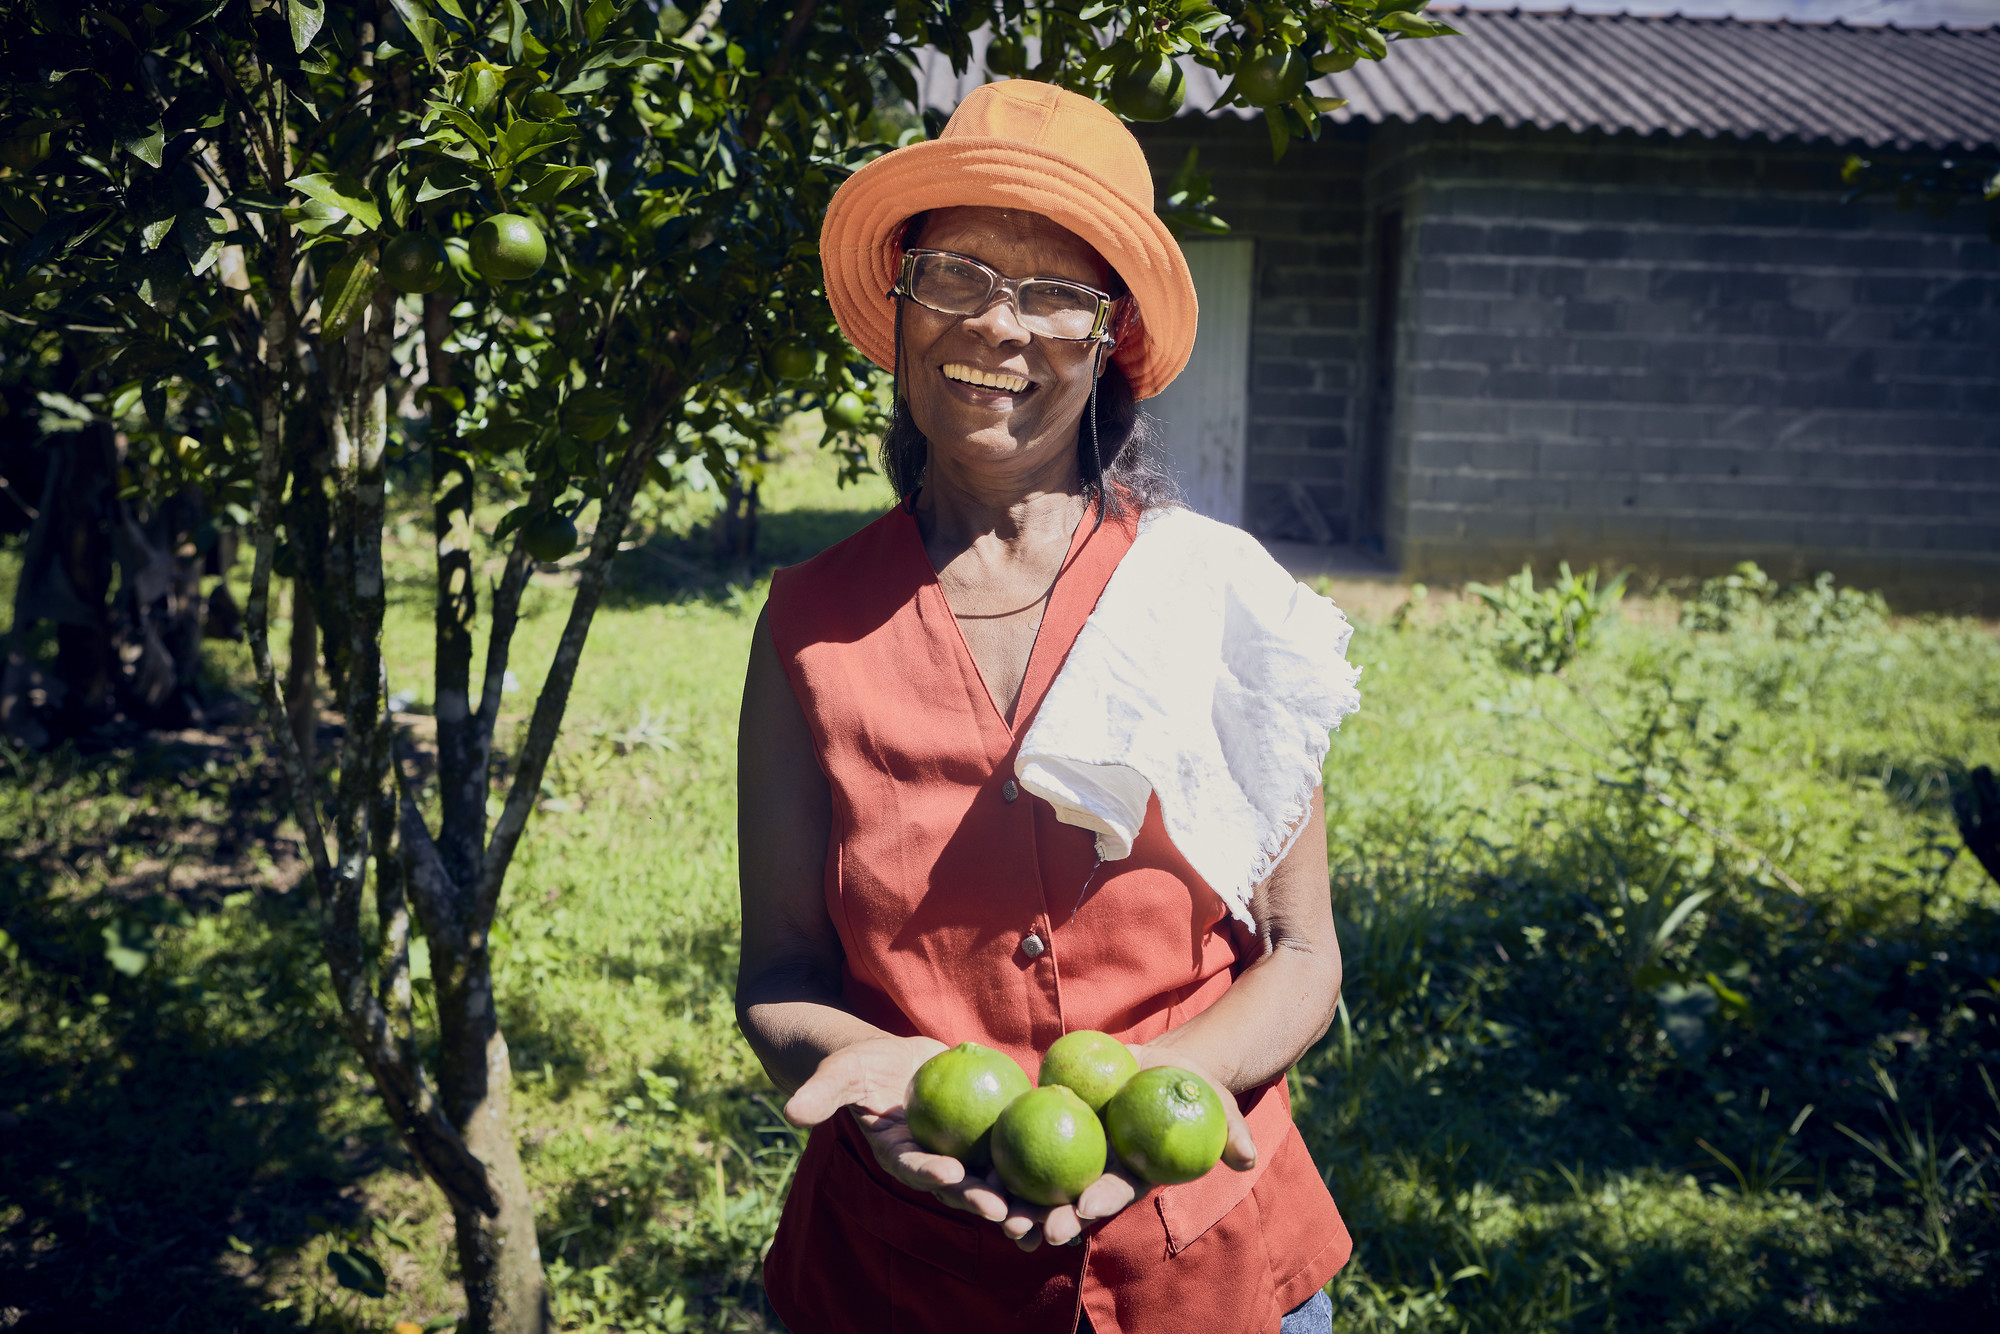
1671 998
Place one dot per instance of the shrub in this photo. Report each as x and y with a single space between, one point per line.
1542 630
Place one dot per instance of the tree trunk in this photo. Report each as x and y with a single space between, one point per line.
302 674
499 1257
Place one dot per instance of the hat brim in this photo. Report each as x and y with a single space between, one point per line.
860 254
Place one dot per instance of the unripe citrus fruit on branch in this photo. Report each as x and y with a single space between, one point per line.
1167 1125
508 247
549 537
1271 76
415 263
791 359
847 411
956 1097
1152 87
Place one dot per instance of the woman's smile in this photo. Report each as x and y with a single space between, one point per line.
992 388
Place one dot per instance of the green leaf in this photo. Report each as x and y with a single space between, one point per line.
357 1271
255 201
442 179
350 285
597 18
621 55
1680 914
1281 133
201 233
307 17
155 232
146 143
463 122
427 30
341 191
553 182
525 138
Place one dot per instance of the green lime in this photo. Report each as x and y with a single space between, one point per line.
847 411
415 263
791 359
549 537
1152 87
507 247
1048 1146
1090 1064
1271 76
957 1096
1167 1125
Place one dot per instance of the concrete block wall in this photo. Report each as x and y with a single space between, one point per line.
1307 216
1681 355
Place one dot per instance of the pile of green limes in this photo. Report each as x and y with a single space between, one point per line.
1049 1143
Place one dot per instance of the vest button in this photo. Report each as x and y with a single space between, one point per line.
1009 791
1033 946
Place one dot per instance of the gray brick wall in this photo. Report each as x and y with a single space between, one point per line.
1668 354
1681 355
1308 216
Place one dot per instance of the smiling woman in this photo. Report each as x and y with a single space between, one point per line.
906 888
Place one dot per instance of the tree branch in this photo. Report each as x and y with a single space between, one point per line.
554 699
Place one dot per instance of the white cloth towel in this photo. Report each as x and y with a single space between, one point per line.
1210 676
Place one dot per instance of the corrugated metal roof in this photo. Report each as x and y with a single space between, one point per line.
1873 87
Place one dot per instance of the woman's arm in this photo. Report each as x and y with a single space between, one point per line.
1284 1002
788 979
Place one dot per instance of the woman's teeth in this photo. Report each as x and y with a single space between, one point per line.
1012 384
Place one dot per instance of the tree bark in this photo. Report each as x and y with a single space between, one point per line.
498 1255
302 674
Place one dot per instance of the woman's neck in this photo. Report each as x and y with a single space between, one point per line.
1022 509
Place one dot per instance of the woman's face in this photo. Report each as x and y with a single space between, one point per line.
1031 420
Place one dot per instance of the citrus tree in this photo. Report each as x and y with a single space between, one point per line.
548 250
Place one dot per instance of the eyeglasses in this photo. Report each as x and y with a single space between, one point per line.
1047 307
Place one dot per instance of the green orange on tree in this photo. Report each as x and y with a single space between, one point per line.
1151 87
1167 1125
1271 76
791 359
847 410
1090 1064
549 537
507 248
956 1097
1048 1146
415 263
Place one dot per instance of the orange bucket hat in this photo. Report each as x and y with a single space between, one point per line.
1021 145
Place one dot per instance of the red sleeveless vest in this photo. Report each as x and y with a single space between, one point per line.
968 912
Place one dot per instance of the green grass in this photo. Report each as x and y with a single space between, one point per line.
1511 1111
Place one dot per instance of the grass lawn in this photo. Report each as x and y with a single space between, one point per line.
1672 1002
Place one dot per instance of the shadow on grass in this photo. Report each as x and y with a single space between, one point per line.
687 569
1527 1131
152 1112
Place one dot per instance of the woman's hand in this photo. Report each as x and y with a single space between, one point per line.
1028 1226
871 1079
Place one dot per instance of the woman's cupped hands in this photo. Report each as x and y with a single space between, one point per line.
871 1079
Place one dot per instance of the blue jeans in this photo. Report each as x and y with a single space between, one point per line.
1314 1315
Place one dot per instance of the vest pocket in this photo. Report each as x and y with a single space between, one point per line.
1189 1210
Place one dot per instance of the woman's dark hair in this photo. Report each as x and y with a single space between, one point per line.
1124 449
1134 464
